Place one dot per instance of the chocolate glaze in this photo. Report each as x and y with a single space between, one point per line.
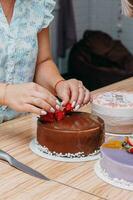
77 132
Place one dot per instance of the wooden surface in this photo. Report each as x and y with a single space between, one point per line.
82 183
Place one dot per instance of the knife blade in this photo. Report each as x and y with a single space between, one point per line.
20 166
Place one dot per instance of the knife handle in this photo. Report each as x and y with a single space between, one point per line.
5 156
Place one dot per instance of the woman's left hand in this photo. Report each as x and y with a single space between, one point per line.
73 91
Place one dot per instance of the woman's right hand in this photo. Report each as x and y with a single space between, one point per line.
30 97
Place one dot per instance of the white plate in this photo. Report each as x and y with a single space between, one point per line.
117 134
39 151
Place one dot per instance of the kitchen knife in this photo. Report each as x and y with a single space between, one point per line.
20 166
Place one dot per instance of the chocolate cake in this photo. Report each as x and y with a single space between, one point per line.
78 133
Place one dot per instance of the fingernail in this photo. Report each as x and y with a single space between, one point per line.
62 103
77 107
57 107
43 112
58 102
73 104
52 110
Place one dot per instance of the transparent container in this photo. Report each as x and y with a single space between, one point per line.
116 109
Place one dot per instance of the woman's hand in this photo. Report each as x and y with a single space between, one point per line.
30 97
73 91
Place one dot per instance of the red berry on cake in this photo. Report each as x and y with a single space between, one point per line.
47 118
68 107
130 150
59 115
130 140
128 144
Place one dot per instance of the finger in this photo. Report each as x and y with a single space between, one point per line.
92 97
47 97
81 95
87 97
40 103
74 94
80 98
45 92
64 95
80 84
35 110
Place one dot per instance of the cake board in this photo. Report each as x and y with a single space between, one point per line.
118 134
40 151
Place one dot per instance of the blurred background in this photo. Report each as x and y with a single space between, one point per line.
92 41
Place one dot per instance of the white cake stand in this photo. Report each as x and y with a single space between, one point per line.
117 134
120 183
40 151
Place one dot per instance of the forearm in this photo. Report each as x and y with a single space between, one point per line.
47 74
2 93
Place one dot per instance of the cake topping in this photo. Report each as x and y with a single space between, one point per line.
47 118
68 108
114 144
127 144
114 99
58 115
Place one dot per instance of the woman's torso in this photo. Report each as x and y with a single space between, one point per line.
19 44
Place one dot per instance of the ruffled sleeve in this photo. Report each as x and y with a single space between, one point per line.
48 6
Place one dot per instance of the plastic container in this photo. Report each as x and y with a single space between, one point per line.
116 109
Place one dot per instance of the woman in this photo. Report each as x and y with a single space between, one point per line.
127 7
29 79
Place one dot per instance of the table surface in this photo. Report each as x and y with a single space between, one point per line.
80 179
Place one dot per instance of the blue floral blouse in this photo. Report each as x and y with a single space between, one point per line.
19 44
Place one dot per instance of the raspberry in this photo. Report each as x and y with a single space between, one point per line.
47 118
130 150
59 115
68 108
130 141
